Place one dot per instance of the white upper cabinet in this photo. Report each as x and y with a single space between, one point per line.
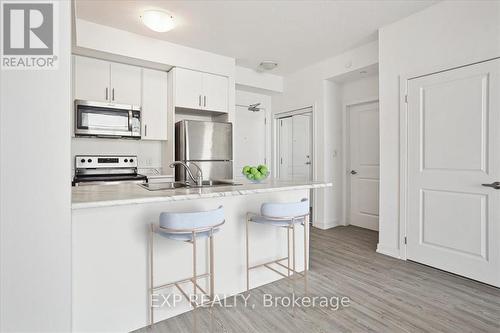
104 81
154 105
91 79
125 84
215 91
202 91
188 88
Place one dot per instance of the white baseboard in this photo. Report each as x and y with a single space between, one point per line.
388 251
323 225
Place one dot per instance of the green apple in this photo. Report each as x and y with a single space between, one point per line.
258 176
254 170
263 169
250 176
246 169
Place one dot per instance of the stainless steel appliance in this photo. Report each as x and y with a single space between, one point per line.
107 120
96 170
208 144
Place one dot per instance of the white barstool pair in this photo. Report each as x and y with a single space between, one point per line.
281 215
186 227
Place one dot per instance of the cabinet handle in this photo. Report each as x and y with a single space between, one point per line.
106 93
145 130
113 94
204 100
199 100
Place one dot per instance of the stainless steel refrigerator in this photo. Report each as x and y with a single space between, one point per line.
206 143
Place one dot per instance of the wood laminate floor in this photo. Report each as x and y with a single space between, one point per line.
386 295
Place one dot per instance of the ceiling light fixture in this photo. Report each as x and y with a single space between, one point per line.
158 20
268 65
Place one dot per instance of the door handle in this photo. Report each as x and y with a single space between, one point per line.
113 94
204 100
495 185
146 130
199 100
354 172
106 93
308 163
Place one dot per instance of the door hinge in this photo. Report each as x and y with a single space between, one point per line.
406 240
406 98
281 160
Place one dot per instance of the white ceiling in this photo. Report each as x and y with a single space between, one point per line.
293 33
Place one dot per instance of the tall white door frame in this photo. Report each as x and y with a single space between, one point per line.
275 146
404 142
345 148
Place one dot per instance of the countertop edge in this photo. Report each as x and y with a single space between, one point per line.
193 196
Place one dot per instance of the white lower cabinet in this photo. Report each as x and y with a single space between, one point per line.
154 105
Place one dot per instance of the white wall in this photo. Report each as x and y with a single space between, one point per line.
35 193
311 86
448 34
359 90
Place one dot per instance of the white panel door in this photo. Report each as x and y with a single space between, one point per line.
125 84
301 147
91 79
188 88
250 141
285 133
154 105
215 92
453 222
364 165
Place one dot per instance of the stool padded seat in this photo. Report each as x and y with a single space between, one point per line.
282 210
188 222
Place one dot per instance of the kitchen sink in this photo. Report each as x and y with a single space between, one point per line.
210 183
175 185
163 186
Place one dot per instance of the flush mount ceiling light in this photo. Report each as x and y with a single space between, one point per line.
268 65
158 20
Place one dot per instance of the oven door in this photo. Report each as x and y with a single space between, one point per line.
105 120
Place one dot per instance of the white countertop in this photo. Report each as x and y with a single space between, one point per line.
91 196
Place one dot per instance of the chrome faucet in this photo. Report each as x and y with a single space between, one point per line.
199 175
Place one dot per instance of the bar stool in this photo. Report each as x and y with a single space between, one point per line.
186 227
281 215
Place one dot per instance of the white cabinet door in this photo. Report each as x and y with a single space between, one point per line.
453 148
215 92
188 88
154 105
363 127
125 84
91 79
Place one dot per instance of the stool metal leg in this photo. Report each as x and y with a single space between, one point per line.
194 265
294 276
306 229
212 272
288 250
247 259
151 285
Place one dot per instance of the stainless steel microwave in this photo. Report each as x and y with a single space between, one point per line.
107 120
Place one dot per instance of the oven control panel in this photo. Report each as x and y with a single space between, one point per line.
105 161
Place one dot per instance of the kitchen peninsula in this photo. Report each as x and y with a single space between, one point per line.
110 246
